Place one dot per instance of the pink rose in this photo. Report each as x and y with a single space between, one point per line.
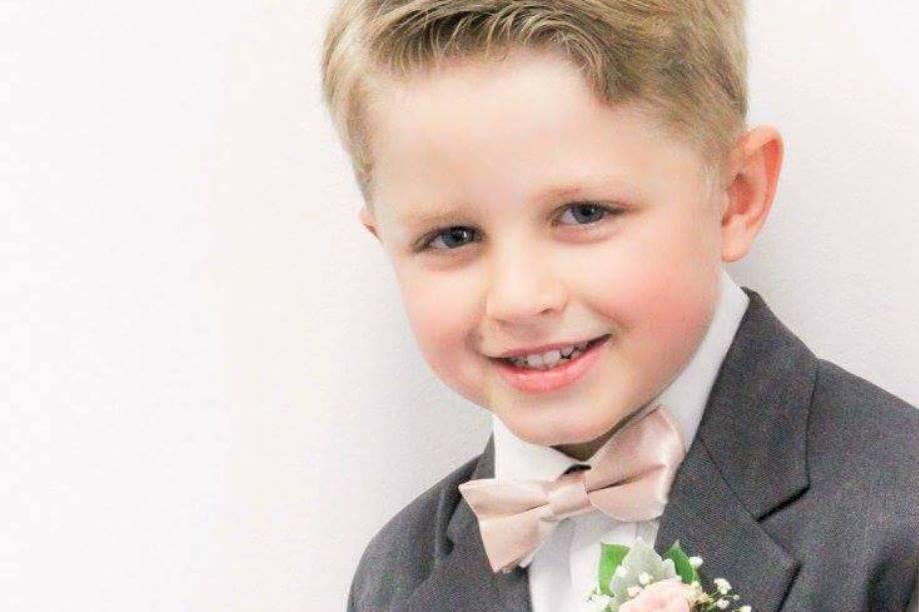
671 595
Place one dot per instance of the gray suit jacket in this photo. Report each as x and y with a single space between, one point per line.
801 488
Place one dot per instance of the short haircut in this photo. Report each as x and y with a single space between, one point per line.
685 60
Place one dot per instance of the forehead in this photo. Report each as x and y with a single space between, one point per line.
514 129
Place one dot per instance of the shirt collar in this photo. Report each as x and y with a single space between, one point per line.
685 397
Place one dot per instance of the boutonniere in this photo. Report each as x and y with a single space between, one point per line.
637 579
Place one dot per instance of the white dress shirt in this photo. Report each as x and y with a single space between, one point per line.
563 570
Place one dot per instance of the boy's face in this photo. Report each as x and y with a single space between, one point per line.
491 182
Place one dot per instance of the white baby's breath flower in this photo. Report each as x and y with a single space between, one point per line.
601 602
723 585
695 562
722 604
634 590
697 592
644 578
745 609
621 571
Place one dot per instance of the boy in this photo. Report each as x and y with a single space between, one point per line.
558 184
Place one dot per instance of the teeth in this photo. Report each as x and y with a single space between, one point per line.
549 359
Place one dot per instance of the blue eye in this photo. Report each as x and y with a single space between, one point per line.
586 213
451 238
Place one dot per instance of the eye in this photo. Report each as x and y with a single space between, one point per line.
586 213
450 238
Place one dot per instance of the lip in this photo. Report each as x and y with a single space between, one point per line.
542 348
562 375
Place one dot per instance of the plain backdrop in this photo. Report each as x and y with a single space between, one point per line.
210 397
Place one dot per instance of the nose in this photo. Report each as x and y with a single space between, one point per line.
523 286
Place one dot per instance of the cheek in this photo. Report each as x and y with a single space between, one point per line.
664 295
441 314
664 303
677 320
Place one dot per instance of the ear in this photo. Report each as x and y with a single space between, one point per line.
753 175
368 221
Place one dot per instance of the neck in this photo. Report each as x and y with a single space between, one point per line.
582 451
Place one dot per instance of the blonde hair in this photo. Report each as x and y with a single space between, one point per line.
684 59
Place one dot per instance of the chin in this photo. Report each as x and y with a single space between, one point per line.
548 433
584 435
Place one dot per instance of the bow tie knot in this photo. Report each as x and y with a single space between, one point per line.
567 496
629 481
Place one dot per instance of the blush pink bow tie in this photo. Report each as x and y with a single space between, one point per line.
629 481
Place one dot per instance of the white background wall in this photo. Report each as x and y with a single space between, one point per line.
210 398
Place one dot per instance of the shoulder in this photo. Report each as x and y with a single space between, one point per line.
864 437
404 550
851 414
863 465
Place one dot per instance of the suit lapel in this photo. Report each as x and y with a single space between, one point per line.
747 460
463 580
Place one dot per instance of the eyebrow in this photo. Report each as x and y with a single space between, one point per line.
448 215
437 217
559 191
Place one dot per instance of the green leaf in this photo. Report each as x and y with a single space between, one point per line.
681 563
611 556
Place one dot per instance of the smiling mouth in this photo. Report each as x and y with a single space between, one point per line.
553 374
553 359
